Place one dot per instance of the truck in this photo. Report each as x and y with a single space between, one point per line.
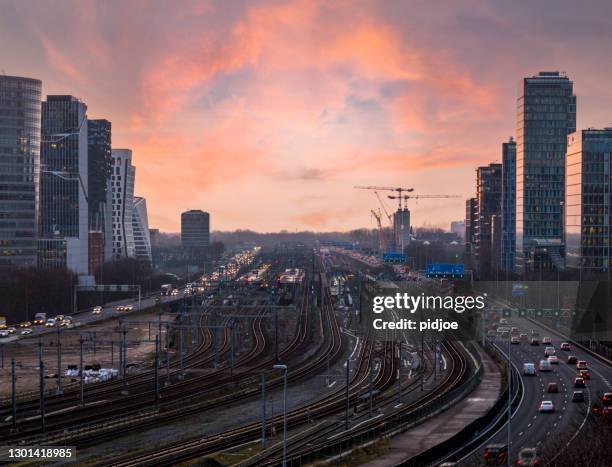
166 289
40 318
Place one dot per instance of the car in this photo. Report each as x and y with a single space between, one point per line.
529 369
606 413
128 307
96 310
59 317
546 340
11 330
579 383
584 374
582 365
25 324
515 340
529 457
571 359
606 398
545 365
503 321
578 396
523 336
50 323
26 331
553 360
514 330
547 407
175 292
565 346
548 351
495 454
534 341
491 333
4 333
120 308
552 387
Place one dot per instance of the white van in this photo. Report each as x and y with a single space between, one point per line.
529 369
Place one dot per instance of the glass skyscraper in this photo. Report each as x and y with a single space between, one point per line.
20 100
99 172
64 184
488 205
588 215
140 226
508 202
546 114
122 192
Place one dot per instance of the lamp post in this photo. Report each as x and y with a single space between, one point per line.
284 368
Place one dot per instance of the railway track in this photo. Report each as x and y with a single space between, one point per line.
307 448
193 448
184 389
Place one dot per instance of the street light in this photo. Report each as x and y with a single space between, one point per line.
284 368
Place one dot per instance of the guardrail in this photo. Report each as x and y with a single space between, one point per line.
465 442
395 426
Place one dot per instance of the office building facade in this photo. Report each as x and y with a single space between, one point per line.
508 206
123 174
20 120
140 227
546 115
195 233
488 204
588 201
99 165
470 228
64 215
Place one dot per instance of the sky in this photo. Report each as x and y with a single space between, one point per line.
267 113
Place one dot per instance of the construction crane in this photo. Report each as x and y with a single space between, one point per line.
407 197
399 190
384 208
381 233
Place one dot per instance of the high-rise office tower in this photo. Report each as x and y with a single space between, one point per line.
588 206
508 205
546 114
195 232
140 226
99 163
488 204
471 205
64 185
123 174
20 100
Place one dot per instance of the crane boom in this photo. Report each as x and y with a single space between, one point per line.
384 207
399 190
381 234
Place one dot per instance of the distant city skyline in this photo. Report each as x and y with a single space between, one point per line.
267 114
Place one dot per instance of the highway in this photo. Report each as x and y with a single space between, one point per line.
549 432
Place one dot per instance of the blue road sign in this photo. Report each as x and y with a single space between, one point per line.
445 270
394 257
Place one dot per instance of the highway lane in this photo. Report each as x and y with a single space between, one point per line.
530 428
85 317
